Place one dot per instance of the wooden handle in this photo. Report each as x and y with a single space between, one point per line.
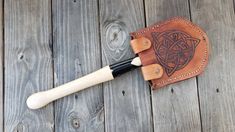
41 99
107 73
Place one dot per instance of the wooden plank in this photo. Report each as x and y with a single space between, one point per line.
1 65
77 53
127 98
175 107
216 85
28 64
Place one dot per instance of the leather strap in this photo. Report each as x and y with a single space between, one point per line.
153 71
140 44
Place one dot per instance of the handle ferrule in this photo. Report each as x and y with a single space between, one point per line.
125 66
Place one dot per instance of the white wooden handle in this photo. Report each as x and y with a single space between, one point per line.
41 99
107 73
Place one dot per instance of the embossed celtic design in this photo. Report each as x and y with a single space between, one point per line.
174 49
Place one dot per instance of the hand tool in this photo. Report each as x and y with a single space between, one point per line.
167 52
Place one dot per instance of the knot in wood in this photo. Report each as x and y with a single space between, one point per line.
20 56
75 123
116 38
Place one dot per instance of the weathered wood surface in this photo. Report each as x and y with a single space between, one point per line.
76 53
1 65
216 85
28 64
127 98
175 107
49 42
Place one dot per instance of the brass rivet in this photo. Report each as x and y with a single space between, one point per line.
157 71
145 43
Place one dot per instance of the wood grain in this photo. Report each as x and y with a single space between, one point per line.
1 65
216 85
127 98
175 107
125 103
28 64
77 53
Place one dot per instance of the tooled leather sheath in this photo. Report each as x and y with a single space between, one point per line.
178 45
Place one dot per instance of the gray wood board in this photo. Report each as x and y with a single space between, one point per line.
76 53
175 107
216 85
28 64
127 98
1 65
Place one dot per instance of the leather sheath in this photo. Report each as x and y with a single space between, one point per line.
171 51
